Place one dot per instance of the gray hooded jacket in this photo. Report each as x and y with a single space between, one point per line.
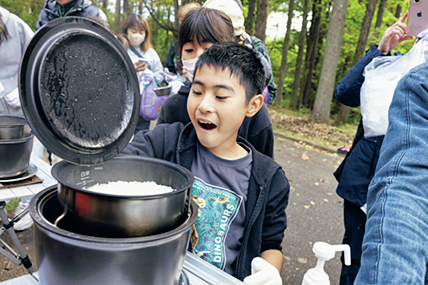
79 8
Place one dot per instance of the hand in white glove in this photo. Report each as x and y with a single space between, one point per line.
176 85
263 273
145 77
12 99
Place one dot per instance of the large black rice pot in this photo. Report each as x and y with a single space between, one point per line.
119 215
66 257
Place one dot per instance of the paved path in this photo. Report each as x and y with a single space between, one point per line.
314 212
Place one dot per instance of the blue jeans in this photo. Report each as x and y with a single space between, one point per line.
395 246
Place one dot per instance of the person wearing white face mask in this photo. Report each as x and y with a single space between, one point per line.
145 59
200 29
172 57
137 31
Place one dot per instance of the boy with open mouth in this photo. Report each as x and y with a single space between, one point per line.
242 194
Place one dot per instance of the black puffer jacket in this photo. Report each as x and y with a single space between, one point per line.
79 8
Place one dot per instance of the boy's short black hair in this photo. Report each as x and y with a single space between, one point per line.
241 61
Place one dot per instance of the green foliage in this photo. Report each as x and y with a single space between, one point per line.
27 10
161 22
162 38
12 204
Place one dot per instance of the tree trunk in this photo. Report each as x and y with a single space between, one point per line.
342 111
302 38
285 46
140 7
105 2
262 14
319 52
167 33
380 11
359 52
365 30
398 11
249 21
127 8
321 111
117 18
312 51
379 18
176 21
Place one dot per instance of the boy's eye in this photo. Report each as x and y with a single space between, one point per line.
196 92
221 97
189 50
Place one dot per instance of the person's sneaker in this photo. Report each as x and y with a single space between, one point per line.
25 222
344 150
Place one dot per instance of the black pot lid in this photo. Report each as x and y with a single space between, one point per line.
79 90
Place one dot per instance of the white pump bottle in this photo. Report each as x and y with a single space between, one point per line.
324 252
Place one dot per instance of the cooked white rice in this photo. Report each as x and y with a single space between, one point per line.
132 188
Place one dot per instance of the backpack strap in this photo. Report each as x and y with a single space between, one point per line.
134 50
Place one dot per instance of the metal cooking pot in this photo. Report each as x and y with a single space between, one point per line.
15 156
13 127
65 257
123 215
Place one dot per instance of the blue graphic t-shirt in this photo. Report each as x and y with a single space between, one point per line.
220 190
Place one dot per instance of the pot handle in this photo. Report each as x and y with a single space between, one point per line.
4 106
189 197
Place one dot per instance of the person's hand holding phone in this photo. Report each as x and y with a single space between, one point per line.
394 35
141 65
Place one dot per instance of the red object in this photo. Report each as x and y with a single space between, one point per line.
344 149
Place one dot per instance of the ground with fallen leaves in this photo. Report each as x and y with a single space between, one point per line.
300 128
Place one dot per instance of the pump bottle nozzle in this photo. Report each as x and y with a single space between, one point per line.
324 252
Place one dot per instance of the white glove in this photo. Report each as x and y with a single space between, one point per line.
176 85
12 99
263 273
364 208
1 88
145 77
147 74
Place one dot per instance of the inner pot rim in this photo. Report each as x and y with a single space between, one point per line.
23 122
15 141
35 213
182 170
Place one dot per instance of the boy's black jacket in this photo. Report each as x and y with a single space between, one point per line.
267 194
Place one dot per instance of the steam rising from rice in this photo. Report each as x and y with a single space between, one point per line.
132 188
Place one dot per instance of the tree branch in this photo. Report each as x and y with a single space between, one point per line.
156 20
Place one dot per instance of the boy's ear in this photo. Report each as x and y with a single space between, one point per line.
254 105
